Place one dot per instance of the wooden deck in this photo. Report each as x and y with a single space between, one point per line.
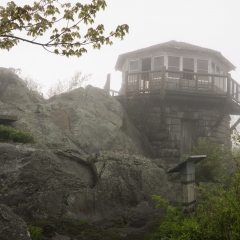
198 86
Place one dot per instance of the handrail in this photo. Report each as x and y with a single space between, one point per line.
143 82
113 92
184 72
152 71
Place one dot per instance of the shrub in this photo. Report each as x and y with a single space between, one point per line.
216 217
35 232
210 169
8 133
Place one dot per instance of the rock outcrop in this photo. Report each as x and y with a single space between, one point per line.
83 119
39 185
88 163
11 225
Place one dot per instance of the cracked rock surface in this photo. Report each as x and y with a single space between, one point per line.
84 119
11 225
40 185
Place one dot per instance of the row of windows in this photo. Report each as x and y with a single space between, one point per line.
174 64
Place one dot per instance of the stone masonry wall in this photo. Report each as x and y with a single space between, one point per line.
161 123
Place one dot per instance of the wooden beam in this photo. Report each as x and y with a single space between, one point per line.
235 124
221 116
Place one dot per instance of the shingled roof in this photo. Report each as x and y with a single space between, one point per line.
172 44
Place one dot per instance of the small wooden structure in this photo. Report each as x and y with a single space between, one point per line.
187 172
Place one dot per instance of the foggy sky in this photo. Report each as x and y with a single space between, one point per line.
212 24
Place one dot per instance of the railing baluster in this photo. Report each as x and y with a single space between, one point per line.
144 81
138 86
126 89
213 83
180 81
232 88
150 80
196 83
228 85
237 92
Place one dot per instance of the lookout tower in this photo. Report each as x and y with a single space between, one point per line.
176 92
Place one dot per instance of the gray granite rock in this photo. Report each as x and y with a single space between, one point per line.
11 225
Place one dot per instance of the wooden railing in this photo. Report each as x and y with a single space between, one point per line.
113 93
167 80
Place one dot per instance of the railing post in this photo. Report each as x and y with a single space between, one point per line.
232 89
107 84
237 92
150 80
138 85
125 89
228 85
196 85
180 81
213 83
162 91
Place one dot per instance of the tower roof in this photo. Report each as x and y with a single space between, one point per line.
174 45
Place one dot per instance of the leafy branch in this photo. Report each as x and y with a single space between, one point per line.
44 16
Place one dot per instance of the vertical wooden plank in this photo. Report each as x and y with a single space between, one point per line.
232 89
180 81
238 88
213 83
150 80
126 89
196 84
144 81
163 80
228 85
138 85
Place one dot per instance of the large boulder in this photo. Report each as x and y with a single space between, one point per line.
84 119
11 225
42 185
